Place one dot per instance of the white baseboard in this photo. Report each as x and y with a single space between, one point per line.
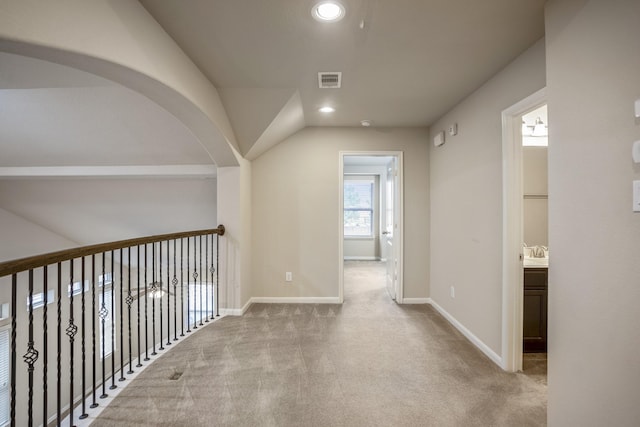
416 300
295 300
469 335
236 311
361 258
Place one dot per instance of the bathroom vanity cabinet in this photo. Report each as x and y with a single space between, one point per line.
535 310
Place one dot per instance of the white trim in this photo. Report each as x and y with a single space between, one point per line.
512 237
341 227
198 171
400 216
361 258
295 300
417 300
231 312
236 311
469 335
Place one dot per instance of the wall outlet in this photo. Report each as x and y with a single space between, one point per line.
453 292
288 276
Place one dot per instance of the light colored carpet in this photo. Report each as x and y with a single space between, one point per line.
368 362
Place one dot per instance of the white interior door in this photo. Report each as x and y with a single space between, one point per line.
512 274
389 238
390 233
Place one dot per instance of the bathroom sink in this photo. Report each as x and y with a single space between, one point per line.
536 262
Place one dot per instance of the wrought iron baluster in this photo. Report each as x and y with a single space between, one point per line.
59 361
31 356
159 292
188 290
94 404
45 344
175 293
154 289
182 287
103 317
146 300
129 300
113 322
206 281
14 334
122 378
139 364
200 270
217 275
195 283
211 271
83 413
71 331
168 299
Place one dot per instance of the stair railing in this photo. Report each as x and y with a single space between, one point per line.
115 306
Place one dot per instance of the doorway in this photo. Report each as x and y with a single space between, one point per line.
513 251
370 226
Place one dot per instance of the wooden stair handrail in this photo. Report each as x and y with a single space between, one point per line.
28 263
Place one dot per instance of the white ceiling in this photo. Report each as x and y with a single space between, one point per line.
412 61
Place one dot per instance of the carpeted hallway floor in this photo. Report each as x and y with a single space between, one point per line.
368 362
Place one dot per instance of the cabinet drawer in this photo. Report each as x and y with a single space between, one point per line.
535 278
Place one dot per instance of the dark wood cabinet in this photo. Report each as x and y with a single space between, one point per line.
535 310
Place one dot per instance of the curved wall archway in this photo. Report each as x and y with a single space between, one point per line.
121 42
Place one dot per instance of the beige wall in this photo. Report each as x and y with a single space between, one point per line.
593 69
535 205
89 211
22 238
235 213
466 199
296 210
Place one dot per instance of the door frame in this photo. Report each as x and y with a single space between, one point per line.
512 232
399 216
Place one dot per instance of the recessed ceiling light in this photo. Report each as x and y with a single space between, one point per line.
366 123
327 110
328 11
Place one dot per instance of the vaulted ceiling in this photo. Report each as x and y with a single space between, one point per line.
403 62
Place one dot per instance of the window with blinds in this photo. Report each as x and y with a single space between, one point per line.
358 207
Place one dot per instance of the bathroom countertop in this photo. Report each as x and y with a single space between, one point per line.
536 262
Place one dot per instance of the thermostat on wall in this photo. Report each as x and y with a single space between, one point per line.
438 140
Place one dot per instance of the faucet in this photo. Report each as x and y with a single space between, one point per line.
538 251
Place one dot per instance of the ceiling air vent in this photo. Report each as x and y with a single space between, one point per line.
330 80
